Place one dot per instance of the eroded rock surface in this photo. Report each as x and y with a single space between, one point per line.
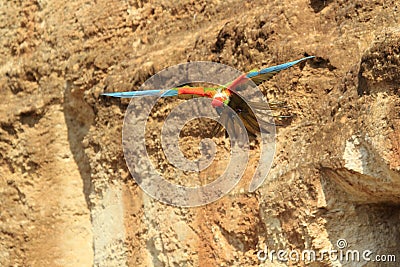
67 198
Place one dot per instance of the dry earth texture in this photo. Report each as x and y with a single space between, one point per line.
67 197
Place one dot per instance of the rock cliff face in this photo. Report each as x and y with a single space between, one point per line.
67 197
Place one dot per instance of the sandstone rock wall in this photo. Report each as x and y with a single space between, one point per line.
67 198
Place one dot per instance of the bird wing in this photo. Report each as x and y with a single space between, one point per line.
259 76
265 74
131 94
185 91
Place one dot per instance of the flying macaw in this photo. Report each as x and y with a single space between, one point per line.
225 95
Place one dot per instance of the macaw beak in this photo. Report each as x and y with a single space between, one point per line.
217 102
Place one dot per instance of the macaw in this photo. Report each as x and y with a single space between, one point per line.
225 95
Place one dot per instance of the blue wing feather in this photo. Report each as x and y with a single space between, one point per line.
275 69
160 93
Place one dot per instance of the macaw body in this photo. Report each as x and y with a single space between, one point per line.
225 95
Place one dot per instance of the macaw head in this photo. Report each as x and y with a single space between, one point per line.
220 99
